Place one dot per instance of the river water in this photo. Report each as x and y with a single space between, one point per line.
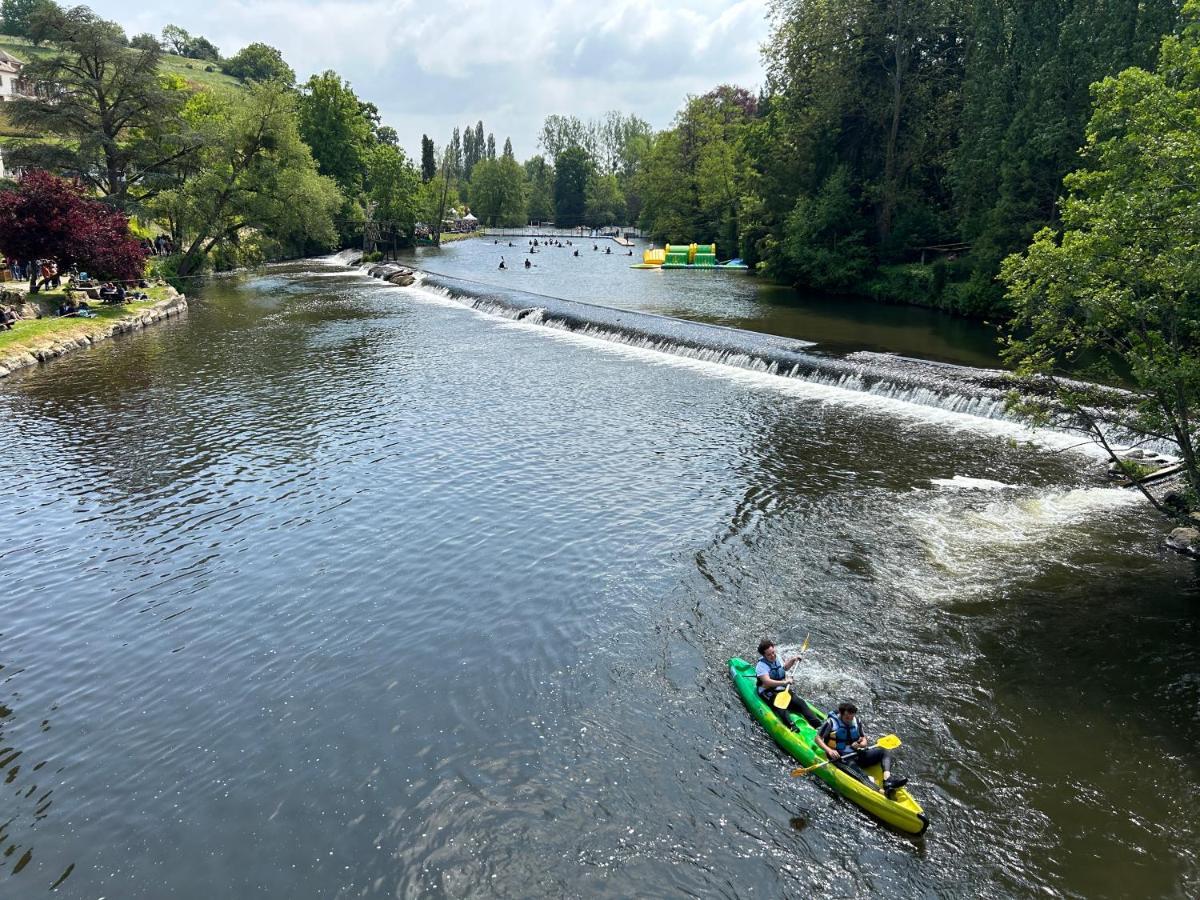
338 589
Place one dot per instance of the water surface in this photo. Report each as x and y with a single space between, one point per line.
336 589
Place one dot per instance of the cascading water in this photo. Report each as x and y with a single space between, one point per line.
974 392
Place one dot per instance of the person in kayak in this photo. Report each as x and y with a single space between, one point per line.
842 734
772 678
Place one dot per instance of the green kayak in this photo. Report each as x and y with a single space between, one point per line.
900 811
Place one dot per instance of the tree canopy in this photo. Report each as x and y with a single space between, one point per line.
108 117
1120 280
45 217
259 62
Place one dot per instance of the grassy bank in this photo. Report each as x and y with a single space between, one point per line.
31 334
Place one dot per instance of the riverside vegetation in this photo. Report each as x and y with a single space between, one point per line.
904 151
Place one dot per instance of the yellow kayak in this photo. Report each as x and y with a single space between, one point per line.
900 811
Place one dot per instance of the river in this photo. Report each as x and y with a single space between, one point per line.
338 589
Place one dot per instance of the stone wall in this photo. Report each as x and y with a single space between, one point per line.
173 306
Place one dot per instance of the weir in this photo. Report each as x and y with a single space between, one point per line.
963 390
977 392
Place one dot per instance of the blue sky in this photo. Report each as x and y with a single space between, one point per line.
434 64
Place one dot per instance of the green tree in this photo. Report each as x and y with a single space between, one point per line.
175 39
572 167
508 150
17 15
1121 280
255 175
393 185
260 62
498 192
539 176
605 205
335 125
428 158
108 116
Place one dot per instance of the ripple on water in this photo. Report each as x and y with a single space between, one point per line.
352 592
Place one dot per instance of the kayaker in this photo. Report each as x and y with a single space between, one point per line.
842 734
772 678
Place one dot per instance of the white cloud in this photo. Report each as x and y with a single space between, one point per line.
429 66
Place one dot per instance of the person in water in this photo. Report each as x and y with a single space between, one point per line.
528 264
843 734
502 265
772 678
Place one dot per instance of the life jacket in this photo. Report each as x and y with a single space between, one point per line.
842 733
777 673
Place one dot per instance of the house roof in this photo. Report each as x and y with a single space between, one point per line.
9 58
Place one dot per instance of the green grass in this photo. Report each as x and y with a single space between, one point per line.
30 334
191 70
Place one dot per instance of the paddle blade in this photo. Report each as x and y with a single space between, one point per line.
888 742
804 646
782 700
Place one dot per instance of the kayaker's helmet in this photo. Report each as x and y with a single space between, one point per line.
847 706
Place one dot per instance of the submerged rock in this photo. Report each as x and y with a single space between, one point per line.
1185 540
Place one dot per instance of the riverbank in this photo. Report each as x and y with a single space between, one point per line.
33 341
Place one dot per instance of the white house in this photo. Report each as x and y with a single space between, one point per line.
11 85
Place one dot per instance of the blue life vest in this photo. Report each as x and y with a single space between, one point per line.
842 733
777 673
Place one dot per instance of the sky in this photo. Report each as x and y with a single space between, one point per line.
430 65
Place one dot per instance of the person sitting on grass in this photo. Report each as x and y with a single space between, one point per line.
8 318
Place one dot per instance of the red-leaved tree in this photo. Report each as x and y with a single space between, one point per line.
46 217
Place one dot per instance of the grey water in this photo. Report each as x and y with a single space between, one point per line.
338 589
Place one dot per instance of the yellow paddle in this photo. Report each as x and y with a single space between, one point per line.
887 742
784 698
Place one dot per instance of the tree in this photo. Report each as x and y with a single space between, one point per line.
175 39
260 62
255 174
561 132
428 158
45 217
1121 281
539 177
455 158
337 128
491 146
200 47
393 184
386 134
571 170
604 203
508 150
498 192
18 14
472 152
109 117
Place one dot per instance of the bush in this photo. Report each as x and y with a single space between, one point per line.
911 283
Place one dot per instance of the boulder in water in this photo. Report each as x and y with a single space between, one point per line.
1185 540
403 278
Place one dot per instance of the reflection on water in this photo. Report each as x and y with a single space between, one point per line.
728 298
335 589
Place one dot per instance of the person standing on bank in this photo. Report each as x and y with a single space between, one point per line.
843 734
773 678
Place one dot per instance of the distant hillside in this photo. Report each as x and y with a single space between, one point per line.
191 70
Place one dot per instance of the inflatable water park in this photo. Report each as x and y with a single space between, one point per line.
686 256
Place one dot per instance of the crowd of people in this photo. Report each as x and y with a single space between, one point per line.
535 244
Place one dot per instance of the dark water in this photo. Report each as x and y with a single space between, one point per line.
334 589
720 297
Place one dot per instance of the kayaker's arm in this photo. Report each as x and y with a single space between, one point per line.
828 744
791 662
